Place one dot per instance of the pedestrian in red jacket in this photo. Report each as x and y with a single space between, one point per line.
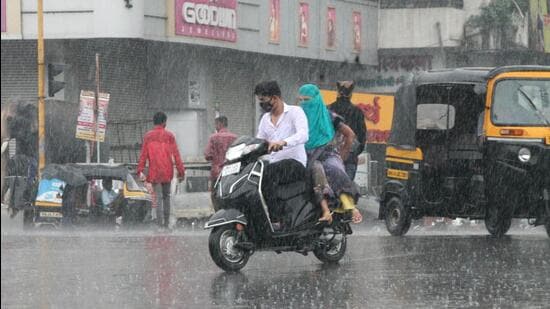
160 149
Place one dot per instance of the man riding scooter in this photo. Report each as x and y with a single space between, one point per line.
285 127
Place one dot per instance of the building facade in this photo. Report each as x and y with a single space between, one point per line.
416 35
193 59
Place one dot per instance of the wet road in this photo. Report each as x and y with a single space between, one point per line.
101 269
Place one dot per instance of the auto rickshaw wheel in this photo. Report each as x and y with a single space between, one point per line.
133 214
28 218
497 221
397 217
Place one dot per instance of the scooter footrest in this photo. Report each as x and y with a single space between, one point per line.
348 230
345 217
245 245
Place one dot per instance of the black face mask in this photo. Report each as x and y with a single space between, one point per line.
266 106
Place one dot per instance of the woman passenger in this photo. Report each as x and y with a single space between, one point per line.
322 147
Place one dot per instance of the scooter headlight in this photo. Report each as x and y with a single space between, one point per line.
234 152
248 149
524 155
240 150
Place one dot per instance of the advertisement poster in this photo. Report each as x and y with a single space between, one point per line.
85 128
194 94
216 20
540 25
274 17
103 104
50 192
331 28
3 15
356 18
303 22
378 112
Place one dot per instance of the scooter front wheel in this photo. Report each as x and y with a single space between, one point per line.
221 245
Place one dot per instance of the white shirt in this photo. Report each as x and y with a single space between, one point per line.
107 197
292 128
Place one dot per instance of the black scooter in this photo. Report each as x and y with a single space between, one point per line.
247 221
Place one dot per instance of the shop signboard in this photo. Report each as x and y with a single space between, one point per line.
331 28
377 109
303 22
274 17
215 20
356 18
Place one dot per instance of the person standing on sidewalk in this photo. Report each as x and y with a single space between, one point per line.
217 146
161 151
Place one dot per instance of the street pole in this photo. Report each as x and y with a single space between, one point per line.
41 105
97 104
88 151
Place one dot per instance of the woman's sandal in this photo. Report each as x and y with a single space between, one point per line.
356 216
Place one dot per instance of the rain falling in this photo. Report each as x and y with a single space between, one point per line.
275 154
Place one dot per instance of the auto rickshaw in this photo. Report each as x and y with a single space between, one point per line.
71 193
470 143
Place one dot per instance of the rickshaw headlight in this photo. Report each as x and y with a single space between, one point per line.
524 155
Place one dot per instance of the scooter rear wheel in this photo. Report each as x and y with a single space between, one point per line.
28 217
222 250
332 253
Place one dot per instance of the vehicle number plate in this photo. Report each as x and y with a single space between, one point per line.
50 214
231 169
399 174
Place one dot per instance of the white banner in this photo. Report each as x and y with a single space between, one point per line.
86 125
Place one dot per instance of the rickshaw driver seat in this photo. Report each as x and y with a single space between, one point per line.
97 202
464 142
434 163
97 205
432 143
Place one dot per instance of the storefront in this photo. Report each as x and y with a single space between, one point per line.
192 60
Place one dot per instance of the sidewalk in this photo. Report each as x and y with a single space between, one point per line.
196 205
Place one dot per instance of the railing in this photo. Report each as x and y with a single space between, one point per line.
127 136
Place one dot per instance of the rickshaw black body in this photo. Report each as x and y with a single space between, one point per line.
461 166
136 201
523 188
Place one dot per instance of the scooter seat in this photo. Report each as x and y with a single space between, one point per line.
288 191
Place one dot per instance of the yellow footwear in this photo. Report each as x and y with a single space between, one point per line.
347 204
